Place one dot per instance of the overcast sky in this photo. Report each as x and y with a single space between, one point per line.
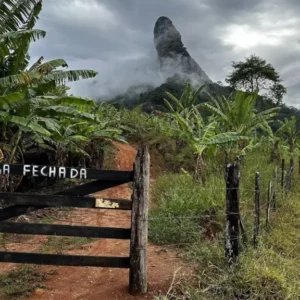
115 38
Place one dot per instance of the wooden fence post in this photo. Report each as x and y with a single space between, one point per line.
288 185
268 204
257 211
232 177
139 223
282 175
274 199
291 172
244 233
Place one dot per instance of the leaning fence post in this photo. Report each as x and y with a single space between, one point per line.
268 204
291 172
139 223
282 175
289 176
274 189
257 211
232 177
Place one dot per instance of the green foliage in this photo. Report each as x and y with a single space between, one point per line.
59 244
35 109
18 14
183 214
179 208
21 282
186 103
289 131
255 74
238 113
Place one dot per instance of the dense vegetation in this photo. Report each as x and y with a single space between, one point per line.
36 113
191 139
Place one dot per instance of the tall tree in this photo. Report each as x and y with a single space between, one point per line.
255 74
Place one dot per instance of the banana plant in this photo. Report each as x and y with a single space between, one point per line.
186 103
203 137
238 114
290 133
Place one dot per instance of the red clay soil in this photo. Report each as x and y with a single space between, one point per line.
87 283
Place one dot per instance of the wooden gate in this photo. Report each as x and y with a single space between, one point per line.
77 197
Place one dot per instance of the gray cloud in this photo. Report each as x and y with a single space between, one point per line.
115 37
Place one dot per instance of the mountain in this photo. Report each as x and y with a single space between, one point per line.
172 55
178 67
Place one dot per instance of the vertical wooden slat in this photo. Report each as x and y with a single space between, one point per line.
268 204
291 169
275 190
257 210
232 177
282 175
243 233
139 223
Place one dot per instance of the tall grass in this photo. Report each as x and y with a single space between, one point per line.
186 214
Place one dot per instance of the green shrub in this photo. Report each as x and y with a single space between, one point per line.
21 282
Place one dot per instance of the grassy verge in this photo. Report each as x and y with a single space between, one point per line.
59 244
185 214
21 283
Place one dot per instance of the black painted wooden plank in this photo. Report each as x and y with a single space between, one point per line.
66 172
66 230
15 211
82 190
90 188
65 260
68 201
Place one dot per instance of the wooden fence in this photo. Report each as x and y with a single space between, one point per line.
235 227
77 197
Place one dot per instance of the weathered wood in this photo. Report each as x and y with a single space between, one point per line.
257 211
268 204
243 232
82 190
232 177
274 199
64 260
289 175
68 201
66 230
139 223
282 175
15 211
65 172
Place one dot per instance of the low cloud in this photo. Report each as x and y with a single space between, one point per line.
116 38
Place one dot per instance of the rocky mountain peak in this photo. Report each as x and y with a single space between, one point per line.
173 56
